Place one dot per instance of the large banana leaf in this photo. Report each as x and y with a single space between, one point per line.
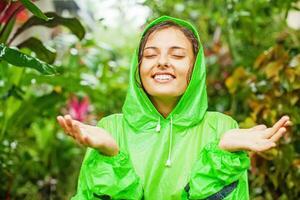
72 24
39 49
20 59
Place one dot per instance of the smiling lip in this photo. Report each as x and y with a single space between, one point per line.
163 73
163 77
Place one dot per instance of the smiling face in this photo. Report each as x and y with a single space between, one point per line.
166 63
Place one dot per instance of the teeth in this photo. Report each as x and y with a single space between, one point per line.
163 77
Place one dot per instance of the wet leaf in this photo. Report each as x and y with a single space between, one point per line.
19 59
39 49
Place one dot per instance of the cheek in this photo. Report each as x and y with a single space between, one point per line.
182 69
146 67
145 71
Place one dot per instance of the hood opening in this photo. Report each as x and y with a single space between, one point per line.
138 109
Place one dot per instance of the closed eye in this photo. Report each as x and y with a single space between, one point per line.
150 56
178 56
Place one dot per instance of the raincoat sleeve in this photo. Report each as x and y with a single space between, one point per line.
220 174
104 177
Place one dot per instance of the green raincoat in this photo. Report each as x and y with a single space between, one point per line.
166 158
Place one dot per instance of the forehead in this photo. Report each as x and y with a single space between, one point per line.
171 36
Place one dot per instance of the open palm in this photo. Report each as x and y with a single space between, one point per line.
258 138
88 135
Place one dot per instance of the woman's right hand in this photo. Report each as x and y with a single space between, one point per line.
88 135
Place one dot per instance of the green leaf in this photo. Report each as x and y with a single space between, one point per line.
19 59
34 10
37 47
4 34
72 24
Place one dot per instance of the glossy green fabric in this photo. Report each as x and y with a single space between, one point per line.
160 156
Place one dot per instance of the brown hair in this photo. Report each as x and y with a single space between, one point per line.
166 24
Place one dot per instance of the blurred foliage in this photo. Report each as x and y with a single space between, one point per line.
38 81
272 87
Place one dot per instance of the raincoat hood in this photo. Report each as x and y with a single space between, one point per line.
138 110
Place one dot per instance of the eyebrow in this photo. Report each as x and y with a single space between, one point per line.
172 47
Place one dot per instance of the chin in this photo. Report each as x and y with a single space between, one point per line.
164 94
163 90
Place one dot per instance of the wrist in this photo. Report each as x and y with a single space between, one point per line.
109 148
231 144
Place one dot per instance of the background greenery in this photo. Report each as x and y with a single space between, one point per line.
253 66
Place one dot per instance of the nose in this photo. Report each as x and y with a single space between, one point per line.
163 61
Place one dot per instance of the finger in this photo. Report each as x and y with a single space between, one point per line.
77 133
259 127
270 132
69 124
288 123
278 134
59 120
68 119
62 123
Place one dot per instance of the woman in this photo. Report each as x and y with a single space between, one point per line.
165 144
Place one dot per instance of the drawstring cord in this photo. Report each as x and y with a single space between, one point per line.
168 163
158 125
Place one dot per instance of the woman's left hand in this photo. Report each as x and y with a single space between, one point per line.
258 138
